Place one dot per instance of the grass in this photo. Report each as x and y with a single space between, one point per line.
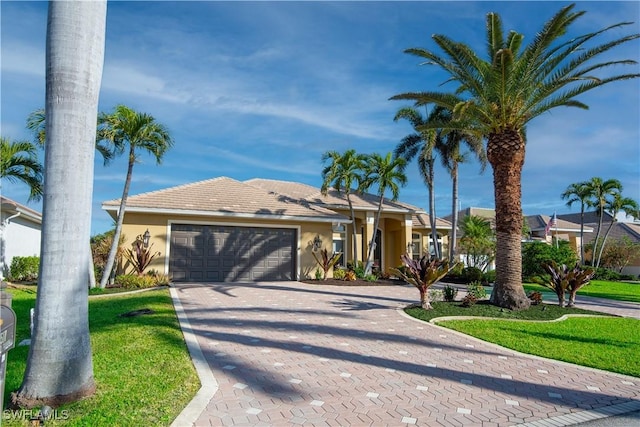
141 365
621 291
609 343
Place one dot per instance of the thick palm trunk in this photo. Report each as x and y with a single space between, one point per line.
454 213
505 152
59 364
116 236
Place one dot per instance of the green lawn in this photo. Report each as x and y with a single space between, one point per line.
621 291
141 365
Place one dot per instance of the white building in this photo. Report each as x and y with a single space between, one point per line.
19 232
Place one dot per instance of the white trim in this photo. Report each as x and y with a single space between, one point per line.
215 214
298 229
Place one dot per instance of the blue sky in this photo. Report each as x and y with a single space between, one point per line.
262 89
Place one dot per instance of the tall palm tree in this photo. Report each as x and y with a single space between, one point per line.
599 191
478 241
19 163
342 173
129 129
614 206
36 123
59 364
449 147
578 192
421 144
387 173
499 95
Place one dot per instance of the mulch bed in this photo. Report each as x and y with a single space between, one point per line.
357 282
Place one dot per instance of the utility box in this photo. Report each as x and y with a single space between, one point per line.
7 341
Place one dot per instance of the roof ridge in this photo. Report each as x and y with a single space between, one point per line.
175 187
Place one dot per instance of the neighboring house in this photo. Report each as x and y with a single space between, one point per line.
561 230
222 229
19 232
620 229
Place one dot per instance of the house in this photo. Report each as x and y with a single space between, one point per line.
222 229
619 230
561 230
19 232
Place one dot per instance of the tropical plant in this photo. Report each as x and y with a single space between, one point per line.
477 290
449 146
422 144
342 173
578 192
387 173
618 253
496 97
477 243
24 268
326 261
563 279
599 191
19 163
100 247
535 254
128 129
449 293
614 206
422 273
140 256
59 365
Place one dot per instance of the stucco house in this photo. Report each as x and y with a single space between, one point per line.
222 229
19 232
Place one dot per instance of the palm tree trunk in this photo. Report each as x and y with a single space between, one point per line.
353 231
59 365
505 152
116 236
604 241
454 213
595 242
372 243
582 233
432 209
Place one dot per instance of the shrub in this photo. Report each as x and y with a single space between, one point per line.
472 274
24 268
339 274
140 256
159 278
449 293
350 276
535 254
370 277
535 297
563 278
133 281
606 274
326 261
489 277
435 295
476 290
469 300
318 274
359 271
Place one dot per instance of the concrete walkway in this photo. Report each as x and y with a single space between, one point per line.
287 353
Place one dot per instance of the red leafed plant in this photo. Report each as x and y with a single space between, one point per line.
422 273
139 256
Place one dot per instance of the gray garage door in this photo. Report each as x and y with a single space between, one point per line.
215 253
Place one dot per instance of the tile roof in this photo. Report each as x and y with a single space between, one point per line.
618 231
333 198
223 196
421 220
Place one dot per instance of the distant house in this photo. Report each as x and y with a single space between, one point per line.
19 232
630 230
224 230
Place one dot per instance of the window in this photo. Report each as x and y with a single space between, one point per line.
432 251
416 246
339 243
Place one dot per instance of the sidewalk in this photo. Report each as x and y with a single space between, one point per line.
293 354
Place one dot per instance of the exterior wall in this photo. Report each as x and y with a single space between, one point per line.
159 227
20 237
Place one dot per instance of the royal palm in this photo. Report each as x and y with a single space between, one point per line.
498 96
132 131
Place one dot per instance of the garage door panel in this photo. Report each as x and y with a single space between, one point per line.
231 253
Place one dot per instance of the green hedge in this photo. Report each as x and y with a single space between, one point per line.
24 268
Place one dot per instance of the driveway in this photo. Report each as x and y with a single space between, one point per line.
288 353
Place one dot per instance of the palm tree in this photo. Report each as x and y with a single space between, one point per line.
599 190
578 192
342 173
449 148
421 144
137 131
59 364
496 97
36 123
614 206
478 241
19 163
387 173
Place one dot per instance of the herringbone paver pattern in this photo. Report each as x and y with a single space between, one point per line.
297 354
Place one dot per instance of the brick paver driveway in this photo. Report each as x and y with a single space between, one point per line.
288 353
